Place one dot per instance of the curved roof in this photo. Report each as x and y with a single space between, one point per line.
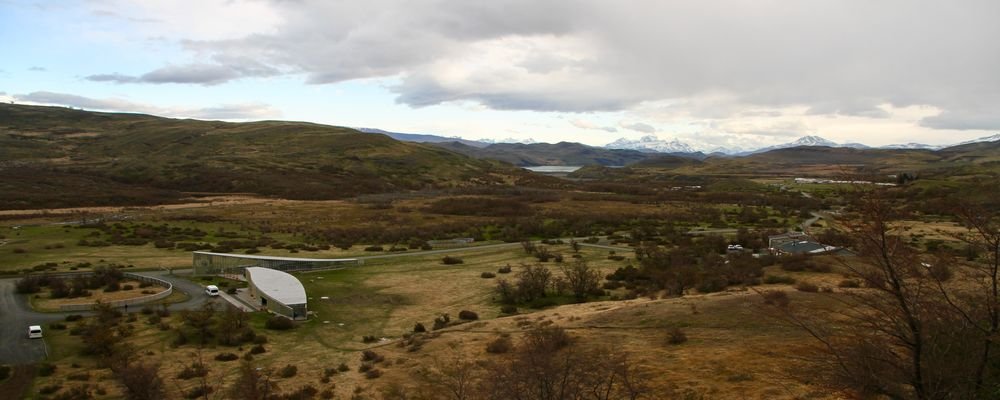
277 285
272 258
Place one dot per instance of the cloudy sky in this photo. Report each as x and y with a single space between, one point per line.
708 72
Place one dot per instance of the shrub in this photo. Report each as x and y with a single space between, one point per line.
231 290
504 270
419 327
288 371
258 349
226 357
373 373
468 315
49 389
807 287
127 287
343 367
73 317
776 279
508 309
146 310
849 283
487 275
501 344
195 370
259 339
373 248
4 372
365 367
369 339
441 322
676 336
19 250
57 326
46 369
371 356
616 258
776 298
198 392
449 260
279 323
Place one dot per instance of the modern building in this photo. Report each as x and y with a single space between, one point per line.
277 291
208 263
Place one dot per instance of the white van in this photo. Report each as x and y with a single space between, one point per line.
212 290
34 332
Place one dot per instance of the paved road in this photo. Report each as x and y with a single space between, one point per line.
16 315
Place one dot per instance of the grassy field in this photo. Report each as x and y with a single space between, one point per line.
386 298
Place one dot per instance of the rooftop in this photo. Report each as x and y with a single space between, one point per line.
273 258
278 285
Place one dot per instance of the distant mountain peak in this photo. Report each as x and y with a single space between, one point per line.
651 143
813 140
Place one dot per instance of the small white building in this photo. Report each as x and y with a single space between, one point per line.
277 291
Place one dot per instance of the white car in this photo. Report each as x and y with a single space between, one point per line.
212 290
34 332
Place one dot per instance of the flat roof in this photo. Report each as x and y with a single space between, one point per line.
278 285
272 258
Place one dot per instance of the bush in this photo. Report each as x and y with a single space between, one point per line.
57 326
373 373
73 317
198 392
279 323
487 275
369 339
849 283
500 345
441 322
807 287
418 327
776 298
49 389
776 279
343 367
508 309
258 349
231 290
371 356
195 370
449 260
4 372
373 248
468 315
127 287
226 357
676 336
288 371
259 339
46 369
504 270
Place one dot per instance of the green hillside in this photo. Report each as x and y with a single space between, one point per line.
562 153
52 156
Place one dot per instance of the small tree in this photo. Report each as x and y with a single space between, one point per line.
581 279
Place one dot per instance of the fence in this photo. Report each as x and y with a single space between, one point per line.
127 302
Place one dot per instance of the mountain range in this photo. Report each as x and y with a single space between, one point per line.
654 144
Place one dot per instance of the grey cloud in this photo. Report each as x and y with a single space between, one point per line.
963 120
225 111
640 127
840 57
37 69
201 74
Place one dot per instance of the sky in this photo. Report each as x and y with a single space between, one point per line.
712 73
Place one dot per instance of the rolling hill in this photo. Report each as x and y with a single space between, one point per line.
53 156
562 153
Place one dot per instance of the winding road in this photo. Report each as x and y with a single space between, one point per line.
16 315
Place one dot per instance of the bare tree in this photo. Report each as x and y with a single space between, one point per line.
901 336
252 383
581 279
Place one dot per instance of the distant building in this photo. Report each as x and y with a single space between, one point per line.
277 291
799 243
208 263
458 242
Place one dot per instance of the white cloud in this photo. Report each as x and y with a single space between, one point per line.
244 111
584 124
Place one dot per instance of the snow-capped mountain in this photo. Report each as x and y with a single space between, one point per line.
811 140
509 140
651 143
992 138
910 146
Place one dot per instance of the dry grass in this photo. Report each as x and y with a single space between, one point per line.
43 302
